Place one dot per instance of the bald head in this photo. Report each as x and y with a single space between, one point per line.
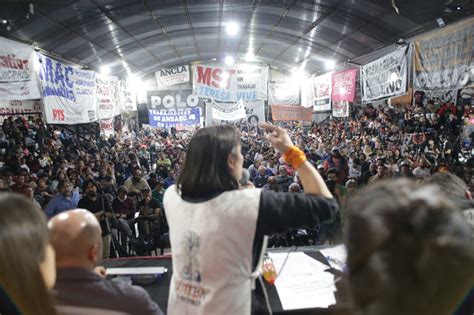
76 238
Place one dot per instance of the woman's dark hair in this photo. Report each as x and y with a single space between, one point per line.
205 170
23 240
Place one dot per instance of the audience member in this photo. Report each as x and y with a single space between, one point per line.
65 199
76 237
409 242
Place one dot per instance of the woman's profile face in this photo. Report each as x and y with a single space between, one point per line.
236 160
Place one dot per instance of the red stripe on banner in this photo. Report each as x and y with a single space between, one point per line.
291 113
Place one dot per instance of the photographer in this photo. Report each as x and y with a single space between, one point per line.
101 208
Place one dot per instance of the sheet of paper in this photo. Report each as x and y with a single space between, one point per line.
302 283
136 271
336 256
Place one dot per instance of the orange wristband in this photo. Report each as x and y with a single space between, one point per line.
294 156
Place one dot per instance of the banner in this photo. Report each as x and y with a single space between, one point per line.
247 82
172 100
254 113
69 94
128 98
172 76
107 127
17 76
19 108
439 97
291 113
443 59
167 119
340 109
283 93
343 85
405 99
386 76
322 93
228 111
307 92
108 99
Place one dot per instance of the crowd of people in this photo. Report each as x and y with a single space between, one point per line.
127 174
122 181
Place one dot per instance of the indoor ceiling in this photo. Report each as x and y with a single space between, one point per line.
142 36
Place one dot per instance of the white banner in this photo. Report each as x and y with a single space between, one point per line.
228 111
172 76
307 92
128 98
322 93
283 93
254 112
108 99
18 79
245 82
69 94
386 76
340 109
107 127
19 107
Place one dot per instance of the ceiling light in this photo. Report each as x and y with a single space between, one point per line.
330 64
4 21
298 74
229 60
232 28
105 70
250 56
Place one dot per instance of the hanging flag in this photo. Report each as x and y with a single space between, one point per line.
18 80
228 111
343 85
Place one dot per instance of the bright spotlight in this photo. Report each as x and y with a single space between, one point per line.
250 56
330 64
105 70
232 28
229 60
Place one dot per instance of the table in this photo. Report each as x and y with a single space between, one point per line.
159 290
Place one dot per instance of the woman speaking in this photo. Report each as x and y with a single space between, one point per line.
217 230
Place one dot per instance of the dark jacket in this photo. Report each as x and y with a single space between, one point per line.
79 287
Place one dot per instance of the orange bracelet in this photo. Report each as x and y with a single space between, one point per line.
294 156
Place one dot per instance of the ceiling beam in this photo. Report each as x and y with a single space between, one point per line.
85 37
162 28
110 16
288 8
248 24
190 23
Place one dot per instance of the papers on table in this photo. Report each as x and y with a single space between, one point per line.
336 256
136 271
303 283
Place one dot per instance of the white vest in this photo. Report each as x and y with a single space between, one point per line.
212 244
